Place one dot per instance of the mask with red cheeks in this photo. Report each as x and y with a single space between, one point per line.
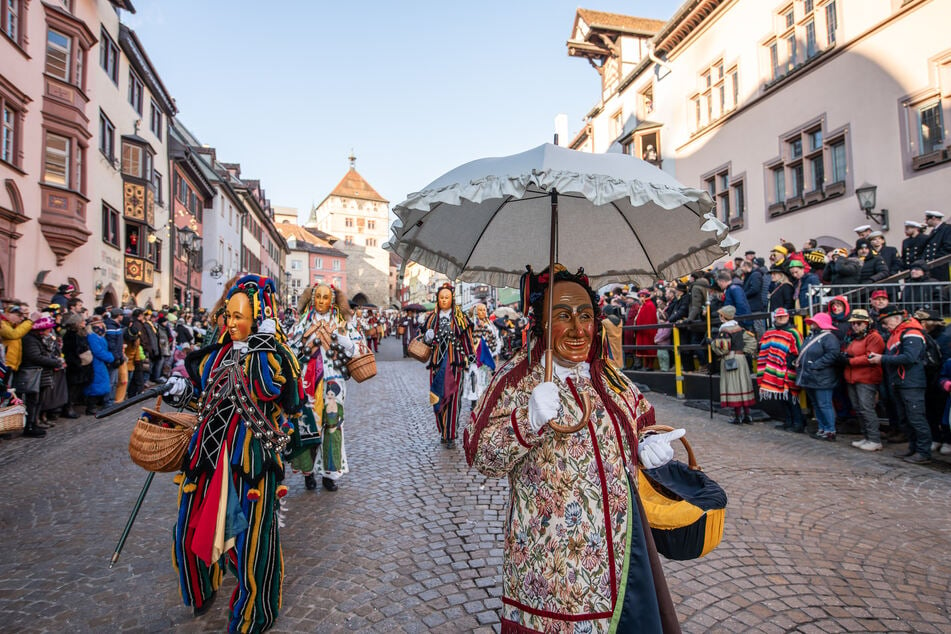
573 323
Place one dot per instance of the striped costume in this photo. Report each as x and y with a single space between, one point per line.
229 485
452 348
775 370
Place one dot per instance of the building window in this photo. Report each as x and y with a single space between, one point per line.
371 224
779 185
133 160
134 239
645 102
110 225
735 85
616 125
371 242
811 46
930 128
832 23
348 222
776 71
838 161
335 264
348 240
8 141
135 92
318 263
807 6
109 56
58 51
107 137
157 186
717 184
56 160
739 200
12 17
155 121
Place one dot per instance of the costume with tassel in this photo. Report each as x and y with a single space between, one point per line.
452 349
230 482
578 553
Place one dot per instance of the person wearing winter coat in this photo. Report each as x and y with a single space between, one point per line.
781 290
921 290
802 282
753 281
646 316
862 378
817 374
873 266
889 254
99 387
34 360
842 270
776 369
75 351
698 288
903 361
840 311
734 296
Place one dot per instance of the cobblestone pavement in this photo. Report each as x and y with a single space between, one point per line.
819 537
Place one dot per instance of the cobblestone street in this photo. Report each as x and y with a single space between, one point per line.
819 537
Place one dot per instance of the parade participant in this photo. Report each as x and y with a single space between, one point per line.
776 369
578 552
735 346
646 316
487 342
329 335
229 486
408 330
450 333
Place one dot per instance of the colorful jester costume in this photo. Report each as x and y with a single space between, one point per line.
229 485
452 348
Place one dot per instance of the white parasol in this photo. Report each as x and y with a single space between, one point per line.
620 218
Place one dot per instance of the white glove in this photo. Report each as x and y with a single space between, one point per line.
655 450
347 343
543 406
267 327
430 335
179 386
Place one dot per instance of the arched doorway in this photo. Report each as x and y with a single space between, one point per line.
109 297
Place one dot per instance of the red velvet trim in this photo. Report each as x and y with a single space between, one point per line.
511 627
518 434
555 615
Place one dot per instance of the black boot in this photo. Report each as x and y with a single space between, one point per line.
310 482
735 420
206 605
32 431
329 484
747 420
786 425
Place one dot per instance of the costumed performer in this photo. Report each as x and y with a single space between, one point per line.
488 343
329 336
449 332
578 552
246 384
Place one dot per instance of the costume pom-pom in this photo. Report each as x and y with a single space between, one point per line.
254 495
281 490
189 488
178 479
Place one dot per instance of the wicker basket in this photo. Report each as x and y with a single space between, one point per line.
419 350
12 418
362 367
155 447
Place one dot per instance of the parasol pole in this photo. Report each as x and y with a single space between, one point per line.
710 358
549 361
128 525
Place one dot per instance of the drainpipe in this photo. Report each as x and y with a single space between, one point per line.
657 60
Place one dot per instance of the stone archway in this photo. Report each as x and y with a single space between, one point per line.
109 297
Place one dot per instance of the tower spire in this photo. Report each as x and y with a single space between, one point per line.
353 160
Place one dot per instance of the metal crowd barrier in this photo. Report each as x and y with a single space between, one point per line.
911 296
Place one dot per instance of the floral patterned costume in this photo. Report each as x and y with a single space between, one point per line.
577 555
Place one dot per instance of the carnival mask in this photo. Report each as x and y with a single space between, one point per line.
444 299
323 298
573 323
482 312
239 317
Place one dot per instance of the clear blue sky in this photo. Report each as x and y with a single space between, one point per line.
415 88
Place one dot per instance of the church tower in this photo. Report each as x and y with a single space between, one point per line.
356 214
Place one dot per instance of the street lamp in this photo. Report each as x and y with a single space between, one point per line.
866 196
190 243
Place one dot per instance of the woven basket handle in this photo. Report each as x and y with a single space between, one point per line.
158 403
691 458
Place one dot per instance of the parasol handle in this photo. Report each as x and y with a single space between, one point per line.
585 403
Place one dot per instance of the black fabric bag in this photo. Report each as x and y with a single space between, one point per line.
730 364
27 380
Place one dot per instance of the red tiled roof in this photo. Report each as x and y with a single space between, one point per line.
352 185
629 23
287 230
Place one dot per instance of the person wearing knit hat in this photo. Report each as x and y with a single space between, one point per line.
735 346
777 256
